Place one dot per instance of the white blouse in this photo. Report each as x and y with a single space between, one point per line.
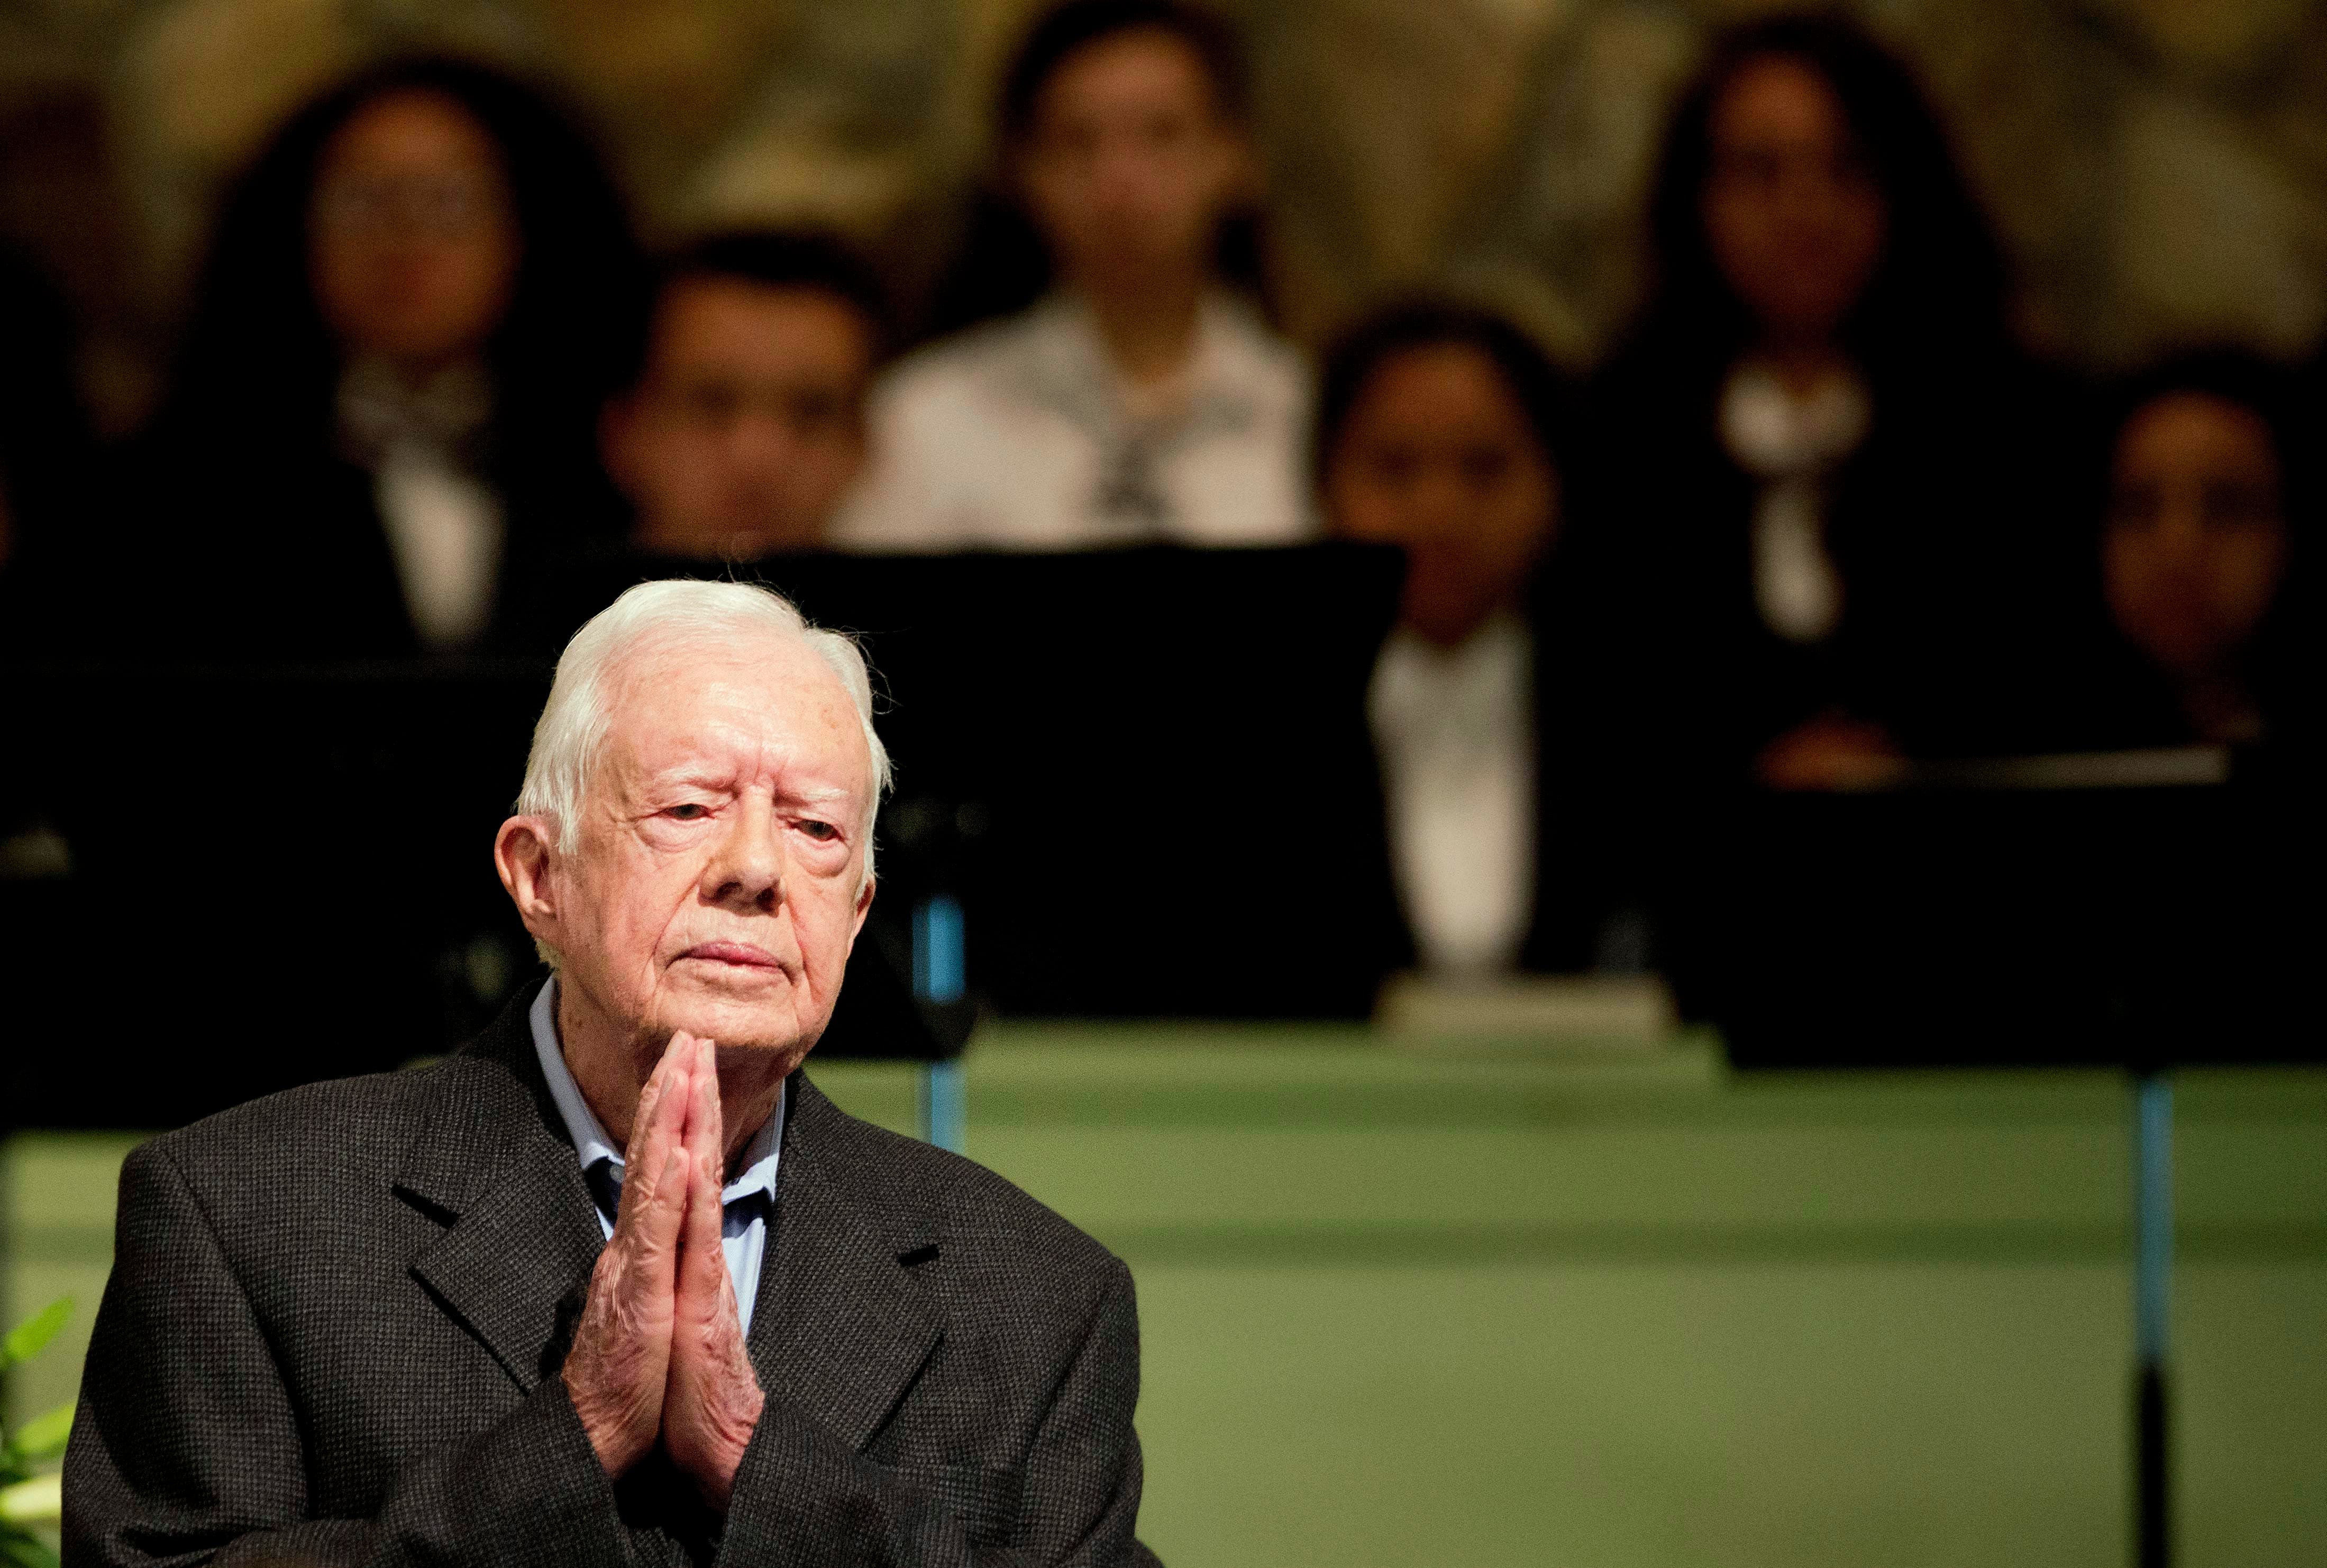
1455 730
1021 435
443 523
1793 445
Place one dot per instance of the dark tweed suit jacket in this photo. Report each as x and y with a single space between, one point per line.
336 1318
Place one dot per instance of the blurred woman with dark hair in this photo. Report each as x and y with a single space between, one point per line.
1130 397
385 401
2210 502
1443 429
1817 515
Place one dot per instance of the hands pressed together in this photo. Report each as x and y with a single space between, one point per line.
659 1350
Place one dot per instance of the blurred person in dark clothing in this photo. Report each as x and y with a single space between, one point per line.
1125 394
1819 508
1445 429
412 311
43 457
743 426
2209 497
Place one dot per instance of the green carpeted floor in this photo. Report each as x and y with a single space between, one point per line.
1404 1310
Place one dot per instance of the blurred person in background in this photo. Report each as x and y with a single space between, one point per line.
1822 518
1445 429
743 426
385 403
1134 397
43 455
2207 476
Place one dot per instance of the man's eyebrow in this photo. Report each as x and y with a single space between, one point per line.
689 777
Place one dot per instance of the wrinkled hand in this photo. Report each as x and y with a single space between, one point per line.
712 1403
620 1365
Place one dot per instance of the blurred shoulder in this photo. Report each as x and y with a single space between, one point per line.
961 366
341 1134
1649 372
1253 352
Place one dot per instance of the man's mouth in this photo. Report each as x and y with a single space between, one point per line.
743 955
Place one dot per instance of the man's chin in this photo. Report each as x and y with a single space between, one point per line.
769 1022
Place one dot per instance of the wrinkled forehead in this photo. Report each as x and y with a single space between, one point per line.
740 696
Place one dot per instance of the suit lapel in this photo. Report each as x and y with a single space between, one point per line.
511 1266
840 1329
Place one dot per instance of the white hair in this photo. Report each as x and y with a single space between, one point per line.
573 728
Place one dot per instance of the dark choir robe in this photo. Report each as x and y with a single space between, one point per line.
1951 528
246 545
1948 528
278 560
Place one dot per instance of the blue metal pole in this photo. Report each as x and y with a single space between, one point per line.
2152 1209
2153 1291
940 975
945 1108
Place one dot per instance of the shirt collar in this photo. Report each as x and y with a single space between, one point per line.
593 1144
1063 362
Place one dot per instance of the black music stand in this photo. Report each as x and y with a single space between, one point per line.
1106 759
1077 737
2131 910
171 821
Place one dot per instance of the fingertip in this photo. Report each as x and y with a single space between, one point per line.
707 1215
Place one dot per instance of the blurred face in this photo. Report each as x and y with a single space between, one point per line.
748 426
1792 214
1438 456
1129 167
2196 542
719 881
412 243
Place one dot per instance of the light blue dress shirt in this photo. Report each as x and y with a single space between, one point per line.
746 1202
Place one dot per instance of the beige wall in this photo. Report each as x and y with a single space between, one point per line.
2159 167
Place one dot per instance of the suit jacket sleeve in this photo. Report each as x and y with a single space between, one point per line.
802 1495
187 1447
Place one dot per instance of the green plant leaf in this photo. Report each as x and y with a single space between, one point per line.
22 1551
41 1437
38 1501
25 1340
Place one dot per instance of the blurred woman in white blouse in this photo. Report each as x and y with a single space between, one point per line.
1136 399
1441 429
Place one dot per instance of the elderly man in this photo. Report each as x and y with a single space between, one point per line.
615 1284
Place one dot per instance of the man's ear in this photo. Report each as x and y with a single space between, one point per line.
523 851
863 908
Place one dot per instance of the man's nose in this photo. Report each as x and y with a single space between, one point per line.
757 429
746 869
2180 534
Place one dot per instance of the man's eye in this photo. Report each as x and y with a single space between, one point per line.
686 813
824 832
